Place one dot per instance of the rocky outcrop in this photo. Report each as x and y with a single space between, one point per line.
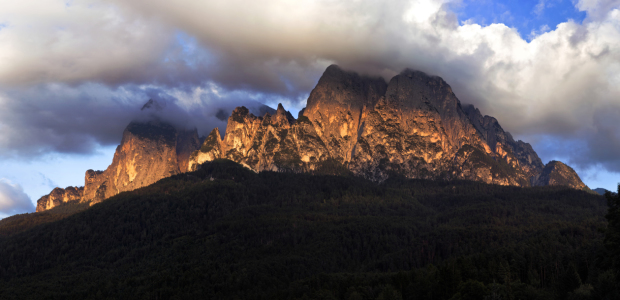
419 130
187 142
148 152
414 126
59 196
336 106
557 173
271 142
503 145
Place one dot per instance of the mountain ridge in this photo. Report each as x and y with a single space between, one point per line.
412 126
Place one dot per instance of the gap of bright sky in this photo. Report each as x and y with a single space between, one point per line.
529 17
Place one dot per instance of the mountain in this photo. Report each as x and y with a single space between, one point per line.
149 151
264 143
503 144
413 126
558 173
59 196
225 232
601 191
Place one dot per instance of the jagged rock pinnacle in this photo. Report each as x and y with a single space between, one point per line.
414 126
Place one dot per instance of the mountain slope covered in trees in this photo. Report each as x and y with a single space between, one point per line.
225 232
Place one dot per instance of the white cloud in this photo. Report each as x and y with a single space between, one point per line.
539 9
13 200
535 33
597 9
562 84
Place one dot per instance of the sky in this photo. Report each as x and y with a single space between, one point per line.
74 73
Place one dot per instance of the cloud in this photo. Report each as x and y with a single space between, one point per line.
59 118
539 9
47 182
13 200
535 33
72 70
597 9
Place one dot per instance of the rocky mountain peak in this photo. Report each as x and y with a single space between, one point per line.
59 196
211 149
280 108
416 89
558 173
601 191
414 126
337 87
283 116
336 105
148 152
152 104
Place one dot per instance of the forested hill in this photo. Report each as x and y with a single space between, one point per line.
224 232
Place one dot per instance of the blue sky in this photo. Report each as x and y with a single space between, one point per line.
526 16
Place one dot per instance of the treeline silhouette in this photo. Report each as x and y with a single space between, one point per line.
224 232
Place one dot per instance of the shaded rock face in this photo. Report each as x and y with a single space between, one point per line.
59 196
503 145
557 173
187 142
148 152
414 126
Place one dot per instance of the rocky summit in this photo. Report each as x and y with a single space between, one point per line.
413 126
558 173
59 196
148 152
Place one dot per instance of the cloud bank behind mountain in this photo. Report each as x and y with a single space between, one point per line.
92 62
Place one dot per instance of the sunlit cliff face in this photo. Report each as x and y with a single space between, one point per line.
413 126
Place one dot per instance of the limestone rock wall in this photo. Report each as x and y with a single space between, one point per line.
501 142
148 152
414 126
273 143
59 196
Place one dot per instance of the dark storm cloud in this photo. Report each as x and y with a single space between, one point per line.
65 119
557 85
